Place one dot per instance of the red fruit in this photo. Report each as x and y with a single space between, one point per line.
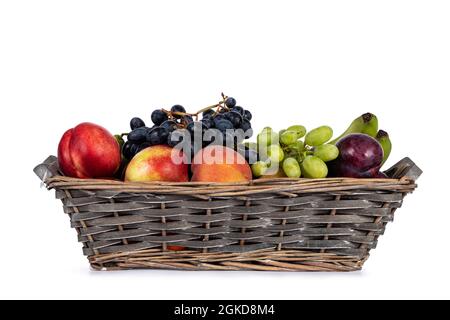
158 163
176 248
360 151
64 159
220 164
88 151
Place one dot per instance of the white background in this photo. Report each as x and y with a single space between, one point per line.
307 62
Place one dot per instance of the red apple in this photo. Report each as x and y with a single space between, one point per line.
88 151
158 163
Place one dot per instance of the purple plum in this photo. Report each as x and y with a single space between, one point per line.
360 156
360 151
339 168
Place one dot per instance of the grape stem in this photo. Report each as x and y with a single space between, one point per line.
221 105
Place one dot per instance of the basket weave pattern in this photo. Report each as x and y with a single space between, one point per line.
273 225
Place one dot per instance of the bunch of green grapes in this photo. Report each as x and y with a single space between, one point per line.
293 156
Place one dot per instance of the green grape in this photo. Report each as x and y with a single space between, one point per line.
267 137
291 168
275 153
294 150
281 132
314 168
259 169
300 130
326 152
318 136
298 146
288 137
290 153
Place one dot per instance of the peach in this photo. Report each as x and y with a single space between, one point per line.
220 164
88 151
158 163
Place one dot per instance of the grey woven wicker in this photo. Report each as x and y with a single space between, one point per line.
269 225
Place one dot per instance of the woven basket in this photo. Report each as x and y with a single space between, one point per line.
269 225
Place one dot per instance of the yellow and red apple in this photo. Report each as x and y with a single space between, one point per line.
158 163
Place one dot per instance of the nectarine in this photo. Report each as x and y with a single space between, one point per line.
88 151
220 164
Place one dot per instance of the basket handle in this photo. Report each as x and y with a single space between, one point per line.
405 168
48 169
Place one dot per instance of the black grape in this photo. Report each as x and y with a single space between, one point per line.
247 127
158 117
170 125
157 136
230 102
136 123
239 110
134 149
248 115
196 127
235 118
178 108
126 150
143 146
224 125
219 117
138 135
209 112
208 122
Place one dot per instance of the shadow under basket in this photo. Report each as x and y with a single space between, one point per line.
266 225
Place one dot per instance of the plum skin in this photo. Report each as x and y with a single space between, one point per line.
360 151
341 169
360 156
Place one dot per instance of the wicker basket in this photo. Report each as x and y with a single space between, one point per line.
270 225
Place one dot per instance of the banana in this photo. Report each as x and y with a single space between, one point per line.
383 138
367 124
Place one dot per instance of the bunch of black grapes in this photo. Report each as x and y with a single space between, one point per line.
178 128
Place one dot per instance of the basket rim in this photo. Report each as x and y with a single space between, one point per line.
403 179
290 187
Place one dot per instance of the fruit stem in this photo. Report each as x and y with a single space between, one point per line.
171 114
382 134
221 105
367 117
